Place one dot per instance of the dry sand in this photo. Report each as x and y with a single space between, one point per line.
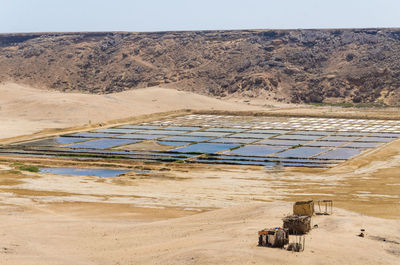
181 214
25 110
72 234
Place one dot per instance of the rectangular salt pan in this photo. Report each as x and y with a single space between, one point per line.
55 141
97 151
340 153
260 163
233 140
206 134
118 131
139 136
172 143
388 135
235 162
340 138
298 137
205 148
224 130
277 159
362 145
282 142
375 139
302 152
305 165
162 132
351 134
102 143
92 135
321 133
326 143
251 135
176 128
268 131
257 150
70 140
186 138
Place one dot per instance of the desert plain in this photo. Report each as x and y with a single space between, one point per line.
170 213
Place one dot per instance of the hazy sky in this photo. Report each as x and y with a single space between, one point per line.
159 15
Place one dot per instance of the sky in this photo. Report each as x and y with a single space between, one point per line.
163 15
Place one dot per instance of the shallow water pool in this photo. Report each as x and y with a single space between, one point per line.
103 173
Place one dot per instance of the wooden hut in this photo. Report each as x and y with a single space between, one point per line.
297 224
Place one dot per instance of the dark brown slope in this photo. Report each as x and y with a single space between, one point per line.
360 65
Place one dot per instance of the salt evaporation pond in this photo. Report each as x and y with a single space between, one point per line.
296 141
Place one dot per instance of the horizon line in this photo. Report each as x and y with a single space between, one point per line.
200 30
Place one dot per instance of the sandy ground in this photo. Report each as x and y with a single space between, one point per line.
181 214
226 236
370 188
25 110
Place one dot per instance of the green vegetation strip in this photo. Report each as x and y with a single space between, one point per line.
28 168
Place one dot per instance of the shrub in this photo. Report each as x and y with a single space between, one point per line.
29 168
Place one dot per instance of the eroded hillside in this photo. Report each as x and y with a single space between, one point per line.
296 66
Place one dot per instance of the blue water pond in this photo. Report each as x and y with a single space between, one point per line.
205 148
103 173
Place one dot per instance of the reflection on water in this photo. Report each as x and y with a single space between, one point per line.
103 173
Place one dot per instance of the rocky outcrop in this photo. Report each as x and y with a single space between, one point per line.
351 65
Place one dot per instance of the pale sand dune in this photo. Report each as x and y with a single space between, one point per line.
25 110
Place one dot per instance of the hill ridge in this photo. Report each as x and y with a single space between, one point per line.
293 66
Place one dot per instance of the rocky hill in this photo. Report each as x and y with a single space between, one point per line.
331 66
